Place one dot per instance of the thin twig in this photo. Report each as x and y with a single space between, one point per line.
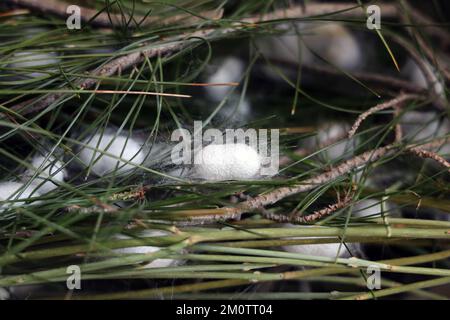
424 67
316 215
441 64
398 126
424 21
431 155
384 81
379 107
108 19
348 10
343 168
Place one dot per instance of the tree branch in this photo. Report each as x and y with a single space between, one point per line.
316 215
379 107
108 19
430 155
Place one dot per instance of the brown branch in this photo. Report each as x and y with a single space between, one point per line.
105 19
109 69
398 126
90 210
379 107
311 183
430 155
316 215
134 194
424 21
256 203
348 10
441 64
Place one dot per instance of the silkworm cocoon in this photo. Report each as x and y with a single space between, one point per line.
48 173
157 263
231 69
219 162
123 147
330 250
28 59
15 191
332 41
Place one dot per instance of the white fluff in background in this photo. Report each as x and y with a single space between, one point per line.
373 208
234 161
423 126
123 147
332 41
48 173
235 111
4 294
15 191
329 250
157 154
231 69
157 263
181 172
417 77
29 59
336 134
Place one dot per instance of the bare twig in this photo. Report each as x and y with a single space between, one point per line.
90 210
316 215
348 10
379 107
424 21
17 12
431 155
398 126
112 67
108 19
441 64
309 184
135 194
278 194
176 43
